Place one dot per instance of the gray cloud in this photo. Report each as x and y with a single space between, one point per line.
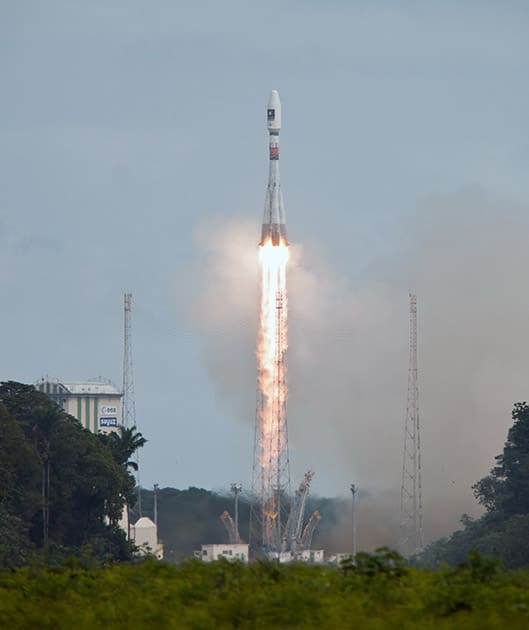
466 258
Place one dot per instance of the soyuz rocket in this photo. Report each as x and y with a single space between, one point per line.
274 227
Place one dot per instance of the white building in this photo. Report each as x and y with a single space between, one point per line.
310 556
96 404
235 551
145 536
338 558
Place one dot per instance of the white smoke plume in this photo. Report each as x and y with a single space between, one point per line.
467 260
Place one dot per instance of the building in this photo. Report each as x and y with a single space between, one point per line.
309 556
338 558
234 551
96 404
145 536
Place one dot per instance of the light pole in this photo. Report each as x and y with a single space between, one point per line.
353 492
236 489
156 504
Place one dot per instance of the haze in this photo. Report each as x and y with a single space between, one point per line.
133 156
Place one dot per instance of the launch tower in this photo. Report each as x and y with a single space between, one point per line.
411 533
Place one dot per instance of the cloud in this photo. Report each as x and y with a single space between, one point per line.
466 258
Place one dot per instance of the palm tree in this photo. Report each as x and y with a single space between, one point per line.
123 444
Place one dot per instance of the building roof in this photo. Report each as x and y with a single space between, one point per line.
81 387
91 387
146 522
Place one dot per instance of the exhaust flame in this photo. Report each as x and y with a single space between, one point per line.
271 348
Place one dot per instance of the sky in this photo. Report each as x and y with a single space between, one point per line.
133 157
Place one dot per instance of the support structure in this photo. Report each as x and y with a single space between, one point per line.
236 488
128 420
411 539
129 403
353 520
293 533
271 471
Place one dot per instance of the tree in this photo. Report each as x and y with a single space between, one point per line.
502 532
506 488
58 478
123 444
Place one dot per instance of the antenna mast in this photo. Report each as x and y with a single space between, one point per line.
411 532
129 402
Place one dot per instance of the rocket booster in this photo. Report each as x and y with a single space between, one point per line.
274 227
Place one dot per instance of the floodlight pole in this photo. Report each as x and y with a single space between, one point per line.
353 492
156 504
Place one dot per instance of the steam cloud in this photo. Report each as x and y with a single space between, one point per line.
467 260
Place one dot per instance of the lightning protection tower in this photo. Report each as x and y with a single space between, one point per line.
411 539
129 402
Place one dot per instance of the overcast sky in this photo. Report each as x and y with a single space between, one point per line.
133 156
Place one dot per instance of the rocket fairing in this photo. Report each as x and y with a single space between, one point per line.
274 227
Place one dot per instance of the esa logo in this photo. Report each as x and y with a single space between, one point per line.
109 411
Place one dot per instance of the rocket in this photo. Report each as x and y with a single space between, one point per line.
274 227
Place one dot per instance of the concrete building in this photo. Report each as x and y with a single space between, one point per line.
96 404
235 551
145 536
309 556
338 558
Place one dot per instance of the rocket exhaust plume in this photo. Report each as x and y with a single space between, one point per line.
271 464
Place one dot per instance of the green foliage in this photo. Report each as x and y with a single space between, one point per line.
384 561
264 595
15 546
506 489
123 444
61 481
503 531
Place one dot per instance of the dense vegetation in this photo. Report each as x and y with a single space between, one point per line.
62 488
503 531
379 592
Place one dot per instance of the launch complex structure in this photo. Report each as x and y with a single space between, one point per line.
277 522
277 519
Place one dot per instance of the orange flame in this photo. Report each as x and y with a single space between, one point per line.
271 348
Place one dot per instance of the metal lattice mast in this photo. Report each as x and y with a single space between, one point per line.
129 401
271 478
411 530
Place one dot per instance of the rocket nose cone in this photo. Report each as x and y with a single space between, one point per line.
273 113
274 101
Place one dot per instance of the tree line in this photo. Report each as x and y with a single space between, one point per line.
503 530
63 489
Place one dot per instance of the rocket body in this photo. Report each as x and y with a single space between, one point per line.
274 227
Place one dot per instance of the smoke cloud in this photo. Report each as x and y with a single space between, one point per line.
466 259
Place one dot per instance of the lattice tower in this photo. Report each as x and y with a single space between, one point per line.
271 478
129 401
411 539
